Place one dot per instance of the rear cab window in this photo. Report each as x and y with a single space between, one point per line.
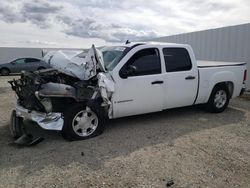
177 59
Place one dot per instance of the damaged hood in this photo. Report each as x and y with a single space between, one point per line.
77 63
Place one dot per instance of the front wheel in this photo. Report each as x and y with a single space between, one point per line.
219 99
81 122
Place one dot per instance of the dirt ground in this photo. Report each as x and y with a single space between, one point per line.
188 145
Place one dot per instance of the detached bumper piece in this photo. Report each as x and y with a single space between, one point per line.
18 132
47 121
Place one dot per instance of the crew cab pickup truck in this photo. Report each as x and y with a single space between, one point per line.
78 94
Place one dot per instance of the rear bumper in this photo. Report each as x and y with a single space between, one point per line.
48 121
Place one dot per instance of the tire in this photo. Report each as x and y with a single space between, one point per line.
81 124
219 99
5 72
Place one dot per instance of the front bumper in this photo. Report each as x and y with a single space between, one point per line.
19 133
48 121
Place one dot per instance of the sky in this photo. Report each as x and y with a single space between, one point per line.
81 23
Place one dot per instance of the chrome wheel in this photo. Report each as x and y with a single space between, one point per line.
220 98
85 122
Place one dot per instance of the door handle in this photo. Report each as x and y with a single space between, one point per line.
190 78
157 82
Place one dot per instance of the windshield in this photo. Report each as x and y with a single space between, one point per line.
112 55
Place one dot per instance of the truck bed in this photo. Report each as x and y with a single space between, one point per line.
205 64
212 72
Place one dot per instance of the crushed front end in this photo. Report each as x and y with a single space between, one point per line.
44 96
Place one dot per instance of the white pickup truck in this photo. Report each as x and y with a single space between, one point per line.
83 90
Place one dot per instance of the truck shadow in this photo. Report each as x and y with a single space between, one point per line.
121 137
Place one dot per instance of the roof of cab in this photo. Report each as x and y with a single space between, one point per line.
154 43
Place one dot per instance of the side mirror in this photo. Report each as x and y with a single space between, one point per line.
128 71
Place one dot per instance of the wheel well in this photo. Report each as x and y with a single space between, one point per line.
229 85
41 67
61 104
4 68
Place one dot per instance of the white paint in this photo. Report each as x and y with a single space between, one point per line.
136 95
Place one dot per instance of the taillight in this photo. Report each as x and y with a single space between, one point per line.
245 76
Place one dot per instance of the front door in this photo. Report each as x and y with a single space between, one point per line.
142 90
18 65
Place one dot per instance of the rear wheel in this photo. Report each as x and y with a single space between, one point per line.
219 99
5 72
81 122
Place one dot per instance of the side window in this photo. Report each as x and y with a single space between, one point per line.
31 60
146 61
177 59
20 61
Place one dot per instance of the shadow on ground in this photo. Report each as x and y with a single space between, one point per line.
121 137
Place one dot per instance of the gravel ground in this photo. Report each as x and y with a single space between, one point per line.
187 145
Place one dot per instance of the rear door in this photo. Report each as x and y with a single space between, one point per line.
181 77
